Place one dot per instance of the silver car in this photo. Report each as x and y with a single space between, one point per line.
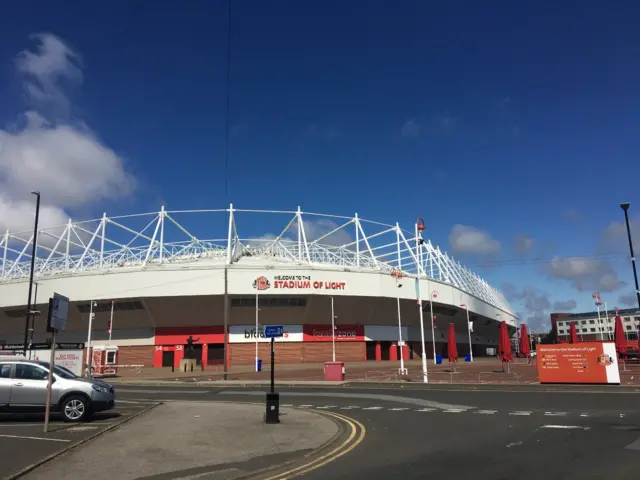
23 388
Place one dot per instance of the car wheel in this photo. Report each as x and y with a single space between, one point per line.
75 409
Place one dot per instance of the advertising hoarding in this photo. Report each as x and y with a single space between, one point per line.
587 362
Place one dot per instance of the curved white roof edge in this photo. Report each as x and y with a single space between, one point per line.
308 240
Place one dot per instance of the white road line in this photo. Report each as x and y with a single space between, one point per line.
373 408
566 427
555 414
426 410
305 406
287 405
486 412
22 425
36 438
398 409
584 414
454 410
350 407
520 413
326 406
128 401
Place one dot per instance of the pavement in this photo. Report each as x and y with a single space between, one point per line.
198 439
23 443
483 370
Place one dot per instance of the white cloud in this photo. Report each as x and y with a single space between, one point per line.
628 300
64 160
615 238
467 239
318 228
585 273
411 128
564 305
524 243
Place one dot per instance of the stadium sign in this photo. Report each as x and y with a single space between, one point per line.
305 282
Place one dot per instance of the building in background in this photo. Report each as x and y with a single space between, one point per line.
591 328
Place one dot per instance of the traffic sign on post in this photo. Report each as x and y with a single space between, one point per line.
273 331
273 398
59 312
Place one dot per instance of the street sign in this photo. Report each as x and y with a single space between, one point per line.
273 331
59 311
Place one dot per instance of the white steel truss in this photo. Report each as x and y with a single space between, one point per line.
138 241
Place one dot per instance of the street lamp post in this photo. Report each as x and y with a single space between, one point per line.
596 297
333 331
433 295
32 325
419 242
466 305
89 352
257 326
31 271
403 371
625 208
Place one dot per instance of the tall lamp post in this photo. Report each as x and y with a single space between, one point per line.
625 208
466 306
33 261
398 275
257 326
419 243
333 332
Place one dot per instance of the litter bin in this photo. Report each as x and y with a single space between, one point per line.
259 365
467 357
334 371
438 359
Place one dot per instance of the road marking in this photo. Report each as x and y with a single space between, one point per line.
584 414
514 444
426 410
634 446
326 407
373 408
287 405
36 438
22 424
555 414
487 412
398 409
454 410
520 413
566 427
350 407
348 445
181 392
306 406
385 398
81 428
129 401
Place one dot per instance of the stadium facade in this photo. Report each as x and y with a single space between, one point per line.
167 279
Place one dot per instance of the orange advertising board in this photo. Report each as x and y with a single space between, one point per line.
578 363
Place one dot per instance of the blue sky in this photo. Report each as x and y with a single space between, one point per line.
517 123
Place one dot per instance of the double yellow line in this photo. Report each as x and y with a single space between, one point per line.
357 434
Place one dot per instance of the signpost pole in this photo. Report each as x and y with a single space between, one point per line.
273 366
52 360
57 320
273 399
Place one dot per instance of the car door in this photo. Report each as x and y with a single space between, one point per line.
29 386
5 383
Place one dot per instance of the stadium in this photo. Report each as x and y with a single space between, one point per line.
153 280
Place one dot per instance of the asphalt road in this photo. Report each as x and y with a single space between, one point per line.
456 433
23 442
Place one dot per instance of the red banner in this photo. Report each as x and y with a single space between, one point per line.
343 333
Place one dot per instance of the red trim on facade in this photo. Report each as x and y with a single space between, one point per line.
179 335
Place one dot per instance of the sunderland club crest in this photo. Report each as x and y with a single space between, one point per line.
261 283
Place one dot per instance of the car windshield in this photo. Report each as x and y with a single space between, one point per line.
59 371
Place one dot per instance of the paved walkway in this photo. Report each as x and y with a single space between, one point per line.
193 440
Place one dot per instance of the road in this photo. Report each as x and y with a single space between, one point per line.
501 433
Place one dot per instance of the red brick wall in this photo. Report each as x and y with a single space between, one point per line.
296 352
136 355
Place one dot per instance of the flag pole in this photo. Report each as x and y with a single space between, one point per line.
111 322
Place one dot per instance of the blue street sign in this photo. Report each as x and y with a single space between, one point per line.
273 331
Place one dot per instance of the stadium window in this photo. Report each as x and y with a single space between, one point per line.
593 330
